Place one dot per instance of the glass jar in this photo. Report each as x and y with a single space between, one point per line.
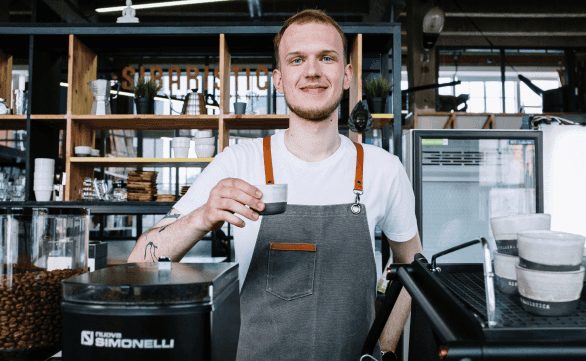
119 192
40 247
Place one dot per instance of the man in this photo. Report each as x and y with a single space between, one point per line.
307 276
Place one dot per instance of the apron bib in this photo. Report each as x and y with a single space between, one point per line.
309 293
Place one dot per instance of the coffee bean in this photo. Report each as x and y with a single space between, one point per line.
30 308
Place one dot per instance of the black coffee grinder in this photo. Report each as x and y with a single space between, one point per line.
147 311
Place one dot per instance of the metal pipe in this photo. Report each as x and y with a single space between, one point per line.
489 285
503 78
440 326
430 86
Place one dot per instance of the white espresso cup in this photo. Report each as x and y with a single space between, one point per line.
274 197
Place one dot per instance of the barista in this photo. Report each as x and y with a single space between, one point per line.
307 276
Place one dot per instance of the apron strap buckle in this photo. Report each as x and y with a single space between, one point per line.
355 208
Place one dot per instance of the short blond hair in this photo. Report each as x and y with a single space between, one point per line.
304 17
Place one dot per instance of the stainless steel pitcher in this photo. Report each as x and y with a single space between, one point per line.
101 89
194 104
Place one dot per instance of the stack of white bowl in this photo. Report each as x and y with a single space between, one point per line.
43 178
180 147
204 143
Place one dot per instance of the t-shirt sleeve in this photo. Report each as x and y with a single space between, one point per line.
399 223
221 167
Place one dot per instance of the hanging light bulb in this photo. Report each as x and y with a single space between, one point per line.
433 24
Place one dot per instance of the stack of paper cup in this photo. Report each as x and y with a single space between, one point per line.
180 146
550 272
506 257
204 143
43 180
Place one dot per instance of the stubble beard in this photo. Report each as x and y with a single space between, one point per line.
315 115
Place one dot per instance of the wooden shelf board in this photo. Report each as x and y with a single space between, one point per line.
12 122
100 207
252 121
281 121
148 121
141 162
380 120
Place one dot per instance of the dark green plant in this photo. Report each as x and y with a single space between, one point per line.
377 87
145 89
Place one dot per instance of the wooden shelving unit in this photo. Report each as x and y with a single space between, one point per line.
141 162
147 122
83 45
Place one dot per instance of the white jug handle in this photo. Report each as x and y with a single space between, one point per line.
171 104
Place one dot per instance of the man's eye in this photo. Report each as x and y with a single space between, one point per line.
296 61
328 58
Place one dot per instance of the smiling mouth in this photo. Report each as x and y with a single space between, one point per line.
313 90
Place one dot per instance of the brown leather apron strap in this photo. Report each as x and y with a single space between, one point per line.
266 147
359 167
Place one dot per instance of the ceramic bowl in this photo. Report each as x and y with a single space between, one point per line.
505 229
203 134
505 272
204 141
45 162
205 150
43 196
275 198
43 187
95 152
551 250
82 151
180 141
549 293
180 152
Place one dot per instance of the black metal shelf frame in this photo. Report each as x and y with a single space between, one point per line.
463 333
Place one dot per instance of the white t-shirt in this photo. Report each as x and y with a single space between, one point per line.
388 196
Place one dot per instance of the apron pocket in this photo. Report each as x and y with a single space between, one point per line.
291 270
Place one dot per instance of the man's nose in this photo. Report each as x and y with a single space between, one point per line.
313 68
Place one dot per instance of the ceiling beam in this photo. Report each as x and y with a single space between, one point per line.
68 11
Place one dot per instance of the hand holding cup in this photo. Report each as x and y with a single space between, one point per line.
231 196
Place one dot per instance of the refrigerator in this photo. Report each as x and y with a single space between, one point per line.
462 178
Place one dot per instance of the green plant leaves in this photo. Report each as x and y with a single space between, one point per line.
377 87
145 89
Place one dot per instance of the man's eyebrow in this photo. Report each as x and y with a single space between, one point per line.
297 53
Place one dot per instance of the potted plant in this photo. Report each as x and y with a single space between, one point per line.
377 91
144 96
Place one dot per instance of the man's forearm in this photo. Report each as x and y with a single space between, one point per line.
403 252
392 331
172 240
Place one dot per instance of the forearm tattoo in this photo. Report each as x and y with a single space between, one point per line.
169 215
163 228
151 249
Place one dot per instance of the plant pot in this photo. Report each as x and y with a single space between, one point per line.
376 105
145 105
239 108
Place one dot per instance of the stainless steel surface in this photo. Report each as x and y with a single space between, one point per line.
489 285
191 104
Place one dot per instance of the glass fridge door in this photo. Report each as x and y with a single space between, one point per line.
465 182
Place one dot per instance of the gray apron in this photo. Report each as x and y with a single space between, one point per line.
310 290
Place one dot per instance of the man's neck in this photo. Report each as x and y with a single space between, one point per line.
312 141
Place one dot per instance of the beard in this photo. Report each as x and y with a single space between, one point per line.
315 115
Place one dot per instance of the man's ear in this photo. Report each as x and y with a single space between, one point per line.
348 72
278 80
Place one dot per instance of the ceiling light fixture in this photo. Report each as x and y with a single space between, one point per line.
157 5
